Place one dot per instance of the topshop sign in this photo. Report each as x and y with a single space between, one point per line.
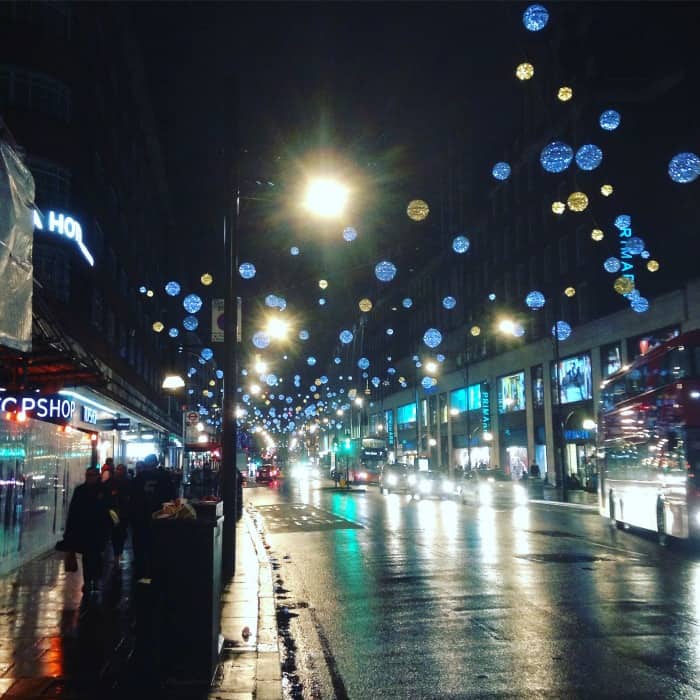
65 226
52 407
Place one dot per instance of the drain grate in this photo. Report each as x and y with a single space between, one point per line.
562 558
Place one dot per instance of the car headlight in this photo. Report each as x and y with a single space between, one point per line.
448 486
520 495
485 494
411 479
315 474
425 486
392 480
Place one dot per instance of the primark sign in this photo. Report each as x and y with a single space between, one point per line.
65 226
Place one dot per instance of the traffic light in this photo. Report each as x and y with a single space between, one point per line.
346 445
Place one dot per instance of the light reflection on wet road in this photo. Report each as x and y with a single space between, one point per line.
435 599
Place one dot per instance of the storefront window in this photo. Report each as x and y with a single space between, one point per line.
610 359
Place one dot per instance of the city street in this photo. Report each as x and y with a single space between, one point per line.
379 596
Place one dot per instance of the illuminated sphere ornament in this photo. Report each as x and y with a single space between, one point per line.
577 201
158 327
206 279
173 332
570 292
597 235
612 265
417 210
271 380
303 334
556 157
635 245
294 250
562 330
390 331
385 271
589 157
337 360
460 244
311 361
645 254
640 305
606 190
365 305
407 303
501 171
172 289
524 71
192 303
246 270
149 293
261 340
349 234
190 323
432 337
558 207
363 363
345 337
322 301
684 167
623 285
534 300
652 265
428 382
142 289
564 93
623 221
535 18
609 120
449 302
207 354
323 284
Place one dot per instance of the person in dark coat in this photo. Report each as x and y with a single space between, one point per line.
119 487
88 526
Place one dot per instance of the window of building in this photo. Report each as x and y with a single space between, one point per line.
52 182
97 310
52 270
35 92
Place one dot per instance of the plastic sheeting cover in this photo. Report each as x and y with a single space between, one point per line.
16 240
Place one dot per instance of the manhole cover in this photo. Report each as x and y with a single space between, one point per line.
561 558
552 533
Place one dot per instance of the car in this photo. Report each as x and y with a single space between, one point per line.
433 484
397 478
267 473
305 471
493 487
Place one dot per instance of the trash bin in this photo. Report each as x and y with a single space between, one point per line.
186 583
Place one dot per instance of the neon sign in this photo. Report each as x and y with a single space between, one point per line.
66 226
51 407
625 255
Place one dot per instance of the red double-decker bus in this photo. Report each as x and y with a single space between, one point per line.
649 441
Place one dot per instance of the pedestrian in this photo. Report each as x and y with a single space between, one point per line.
535 470
87 527
119 487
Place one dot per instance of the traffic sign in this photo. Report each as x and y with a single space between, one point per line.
192 417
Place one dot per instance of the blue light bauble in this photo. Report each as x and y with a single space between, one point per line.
535 18
612 265
535 300
460 244
321 302
173 332
385 271
589 157
640 305
303 335
518 330
563 330
376 381
271 380
337 360
492 297
449 302
271 300
556 157
391 370
390 331
172 289
623 221
190 323
363 363
281 303
345 337
645 254
261 340
432 337
635 245
324 379
219 374
311 361
427 382
207 353
684 167
407 303
501 171
609 120
192 303
143 290
294 250
349 234
246 270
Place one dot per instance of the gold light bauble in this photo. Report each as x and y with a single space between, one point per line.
205 392
597 234
652 265
206 279
317 396
402 380
475 331
570 292
623 285
212 382
149 293
577 201
524 71
417 210
317 381
323 284
158 327
365 305
558 207
606 190
564 94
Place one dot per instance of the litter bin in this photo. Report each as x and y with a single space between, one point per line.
186 583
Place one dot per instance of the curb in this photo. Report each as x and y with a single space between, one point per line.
562 504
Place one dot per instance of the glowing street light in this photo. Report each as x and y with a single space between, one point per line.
431 367
507 326
326 198
260 367
173 381
277 328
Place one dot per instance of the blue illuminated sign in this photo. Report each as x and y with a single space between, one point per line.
485 408
65 226
51 408
389 422
624 235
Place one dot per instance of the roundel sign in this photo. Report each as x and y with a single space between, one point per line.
192 417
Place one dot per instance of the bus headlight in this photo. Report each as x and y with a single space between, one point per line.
425 486
392 480
485 494
411 479
363 476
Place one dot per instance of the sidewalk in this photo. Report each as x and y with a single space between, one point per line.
55 643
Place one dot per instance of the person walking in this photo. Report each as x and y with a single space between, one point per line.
88 526
120 500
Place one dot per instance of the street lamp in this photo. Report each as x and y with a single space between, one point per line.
326 198
173 382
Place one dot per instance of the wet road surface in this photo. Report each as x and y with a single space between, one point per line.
384 597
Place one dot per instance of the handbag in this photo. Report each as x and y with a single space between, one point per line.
70 562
